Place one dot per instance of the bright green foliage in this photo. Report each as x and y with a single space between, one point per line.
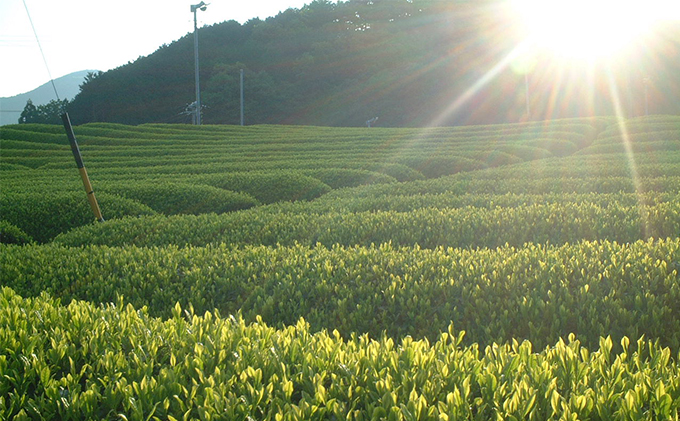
342 202
554 223
112 362
646 135
535 231
540 293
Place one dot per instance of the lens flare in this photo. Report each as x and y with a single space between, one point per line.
590 29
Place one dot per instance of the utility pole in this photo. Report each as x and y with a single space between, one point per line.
526 92
194 9
242 113
645 81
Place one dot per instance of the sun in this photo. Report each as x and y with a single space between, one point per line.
590 29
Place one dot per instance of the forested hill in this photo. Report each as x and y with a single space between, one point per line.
340 64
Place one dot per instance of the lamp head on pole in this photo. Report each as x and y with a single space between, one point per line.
202 5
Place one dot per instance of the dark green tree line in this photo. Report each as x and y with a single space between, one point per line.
340 63
49 113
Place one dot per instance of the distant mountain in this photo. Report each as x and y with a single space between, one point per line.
68 87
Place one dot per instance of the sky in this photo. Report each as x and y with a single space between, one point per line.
101 35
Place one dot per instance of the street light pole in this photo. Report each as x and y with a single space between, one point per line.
645 81
526 92
194 9
242 110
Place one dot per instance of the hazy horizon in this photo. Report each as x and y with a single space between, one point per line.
107 37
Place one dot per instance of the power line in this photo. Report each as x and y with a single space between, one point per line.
94 205
41 52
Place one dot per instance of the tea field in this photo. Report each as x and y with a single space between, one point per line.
520 271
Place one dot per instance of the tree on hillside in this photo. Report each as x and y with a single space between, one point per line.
29 114
89 78
264 97
49 113
338 63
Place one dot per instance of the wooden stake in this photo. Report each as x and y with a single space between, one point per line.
81 167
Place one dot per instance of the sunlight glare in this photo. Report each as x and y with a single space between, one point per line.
627 144
590 29
490 75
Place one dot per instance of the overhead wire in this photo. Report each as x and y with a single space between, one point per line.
41 52
94 205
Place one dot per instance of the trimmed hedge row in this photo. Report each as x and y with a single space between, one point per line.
181 198
555 223
6 166
337 178
435 166
11 234
84 362
42 216
635 148
497 185
343 201
268 187
432 152
539 293
25 133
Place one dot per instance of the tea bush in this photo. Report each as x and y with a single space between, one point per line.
116 362
42 216
535 292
